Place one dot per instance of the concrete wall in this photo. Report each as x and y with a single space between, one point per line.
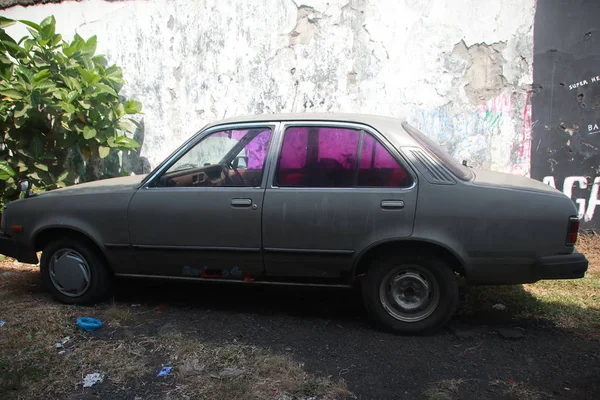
461 71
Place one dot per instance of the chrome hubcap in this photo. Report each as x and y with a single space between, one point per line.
409 293
70 273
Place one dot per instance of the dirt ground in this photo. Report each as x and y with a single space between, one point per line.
292 344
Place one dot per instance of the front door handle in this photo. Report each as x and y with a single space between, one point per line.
241 202
392 204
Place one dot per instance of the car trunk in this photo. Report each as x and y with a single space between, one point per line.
489 178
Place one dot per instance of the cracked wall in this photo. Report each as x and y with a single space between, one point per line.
460 71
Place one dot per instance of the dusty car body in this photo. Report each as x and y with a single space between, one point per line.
313 199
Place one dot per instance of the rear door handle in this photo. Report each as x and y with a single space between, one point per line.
392 204
241 202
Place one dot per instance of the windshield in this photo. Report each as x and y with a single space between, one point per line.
449 162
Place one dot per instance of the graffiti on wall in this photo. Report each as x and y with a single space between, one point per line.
494 135
583 192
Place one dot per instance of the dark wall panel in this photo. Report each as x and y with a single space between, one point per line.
566 101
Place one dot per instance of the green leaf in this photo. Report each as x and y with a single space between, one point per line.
125 125
26 153
6 171
13 94
41 166
88 132
45 85
89 77
107 89
50 20
133 107
30 24
41 76
103 151
6 22
67 107
63 176
128 143
90 46
22 111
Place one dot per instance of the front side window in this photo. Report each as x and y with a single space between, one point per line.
223 158
334 157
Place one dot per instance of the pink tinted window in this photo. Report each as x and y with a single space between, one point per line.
378 168
318 157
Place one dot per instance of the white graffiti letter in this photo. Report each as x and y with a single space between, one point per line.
549 180
570 181
594 201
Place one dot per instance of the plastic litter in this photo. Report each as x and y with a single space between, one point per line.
499 306
2 322
89 324
91 379
165 371
62 342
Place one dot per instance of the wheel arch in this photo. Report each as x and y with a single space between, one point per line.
45 235
392 246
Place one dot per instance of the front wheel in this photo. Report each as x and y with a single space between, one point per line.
410 294
74 272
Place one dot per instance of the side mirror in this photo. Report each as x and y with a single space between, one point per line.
25 187
240 162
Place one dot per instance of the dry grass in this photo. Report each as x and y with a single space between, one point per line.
520 391
31 365
573 303
446 389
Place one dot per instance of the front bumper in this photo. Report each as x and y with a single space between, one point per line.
10 248
564 266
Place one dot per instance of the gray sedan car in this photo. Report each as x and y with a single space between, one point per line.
304 199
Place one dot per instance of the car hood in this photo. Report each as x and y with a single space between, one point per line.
499 179
111 185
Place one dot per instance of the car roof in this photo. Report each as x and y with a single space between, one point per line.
390 127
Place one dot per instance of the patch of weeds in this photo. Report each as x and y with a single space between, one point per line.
446 389
115 314
520 391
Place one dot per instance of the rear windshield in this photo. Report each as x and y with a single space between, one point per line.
446 159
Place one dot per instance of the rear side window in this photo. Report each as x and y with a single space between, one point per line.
378 168
336 157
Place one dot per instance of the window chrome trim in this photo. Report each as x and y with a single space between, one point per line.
395 153
197 138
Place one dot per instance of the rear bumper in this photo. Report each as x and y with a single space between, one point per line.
494 271
565 266
10 248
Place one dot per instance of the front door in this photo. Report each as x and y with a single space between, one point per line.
200 215
336 189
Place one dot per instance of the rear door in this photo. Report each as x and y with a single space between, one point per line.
336 188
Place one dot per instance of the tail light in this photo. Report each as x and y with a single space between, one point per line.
572 231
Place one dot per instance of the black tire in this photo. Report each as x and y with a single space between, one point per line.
99 276
410 270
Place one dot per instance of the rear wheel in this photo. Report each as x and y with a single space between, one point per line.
74 272
410 294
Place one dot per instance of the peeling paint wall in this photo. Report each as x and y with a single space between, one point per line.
460 71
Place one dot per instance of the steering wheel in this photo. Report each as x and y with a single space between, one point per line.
238 176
